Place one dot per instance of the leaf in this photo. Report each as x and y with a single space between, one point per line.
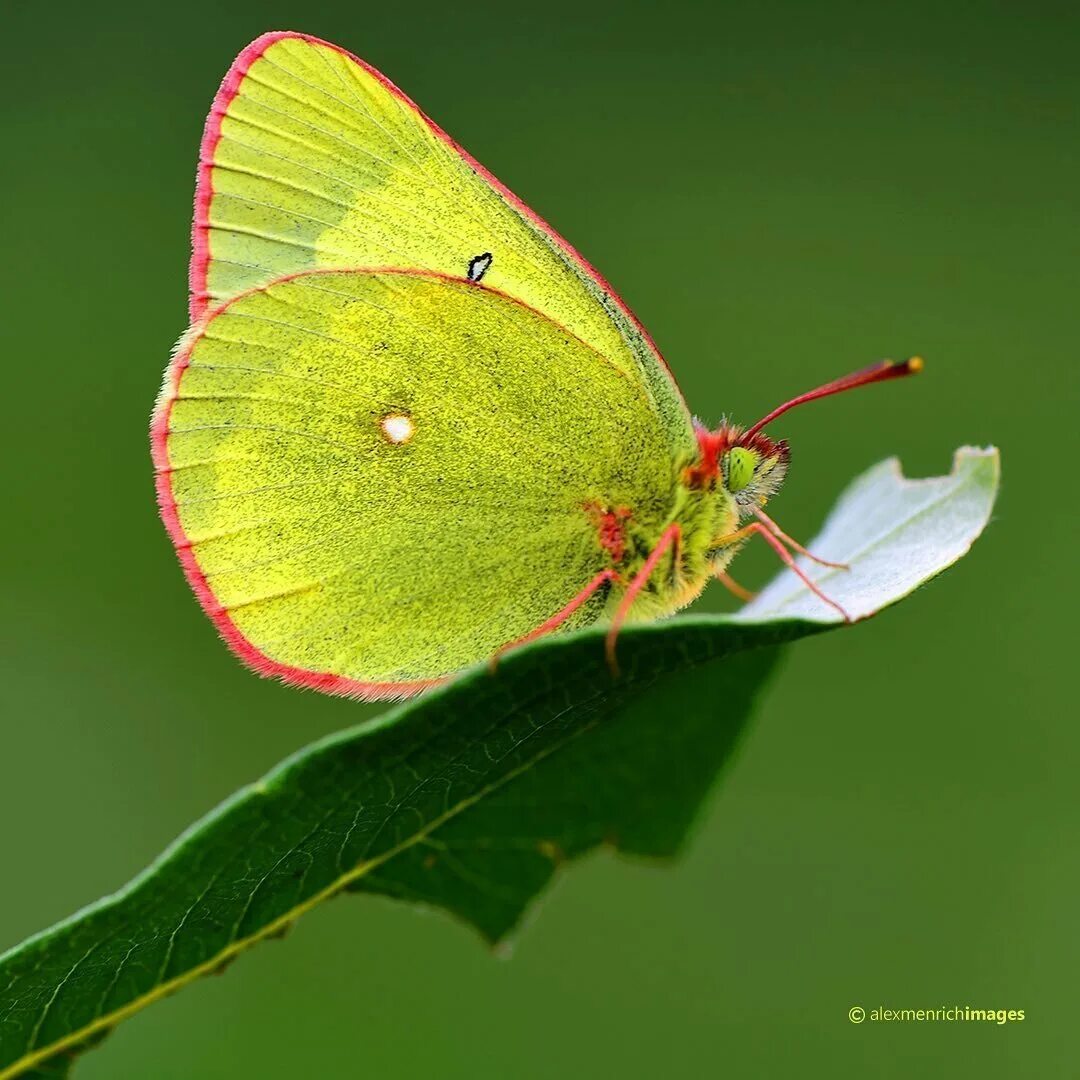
471 797
895 533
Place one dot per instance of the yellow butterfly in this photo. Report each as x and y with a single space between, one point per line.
410 426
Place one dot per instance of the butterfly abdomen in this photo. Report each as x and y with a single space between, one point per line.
627 535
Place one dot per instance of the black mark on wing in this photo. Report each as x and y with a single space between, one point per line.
478 266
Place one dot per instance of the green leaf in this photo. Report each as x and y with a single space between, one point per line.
470 798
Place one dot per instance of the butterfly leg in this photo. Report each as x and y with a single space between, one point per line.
777 531
558 618
756 528
669 538
733 587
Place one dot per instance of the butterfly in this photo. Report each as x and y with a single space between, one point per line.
410 426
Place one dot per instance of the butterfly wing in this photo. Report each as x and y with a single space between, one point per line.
313 159
376 478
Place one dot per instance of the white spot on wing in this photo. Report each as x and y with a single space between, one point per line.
397 427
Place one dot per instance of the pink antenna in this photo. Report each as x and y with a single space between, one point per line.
879 372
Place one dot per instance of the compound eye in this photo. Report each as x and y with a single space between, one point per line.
739 468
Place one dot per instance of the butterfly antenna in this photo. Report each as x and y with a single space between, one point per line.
879 372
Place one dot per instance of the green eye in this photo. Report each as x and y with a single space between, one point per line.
740 468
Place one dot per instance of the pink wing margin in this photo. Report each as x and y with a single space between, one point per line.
204 186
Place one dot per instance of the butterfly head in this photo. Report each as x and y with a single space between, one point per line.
753 471
750 469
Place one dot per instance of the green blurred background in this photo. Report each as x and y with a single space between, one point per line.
782 192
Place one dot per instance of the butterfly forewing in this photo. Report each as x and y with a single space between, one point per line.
312 159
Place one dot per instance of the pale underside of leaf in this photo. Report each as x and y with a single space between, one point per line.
893 532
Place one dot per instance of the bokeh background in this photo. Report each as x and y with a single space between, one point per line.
782 192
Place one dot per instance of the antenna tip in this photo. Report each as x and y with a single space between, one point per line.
915 365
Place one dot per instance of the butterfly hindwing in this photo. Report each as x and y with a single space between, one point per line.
375 478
